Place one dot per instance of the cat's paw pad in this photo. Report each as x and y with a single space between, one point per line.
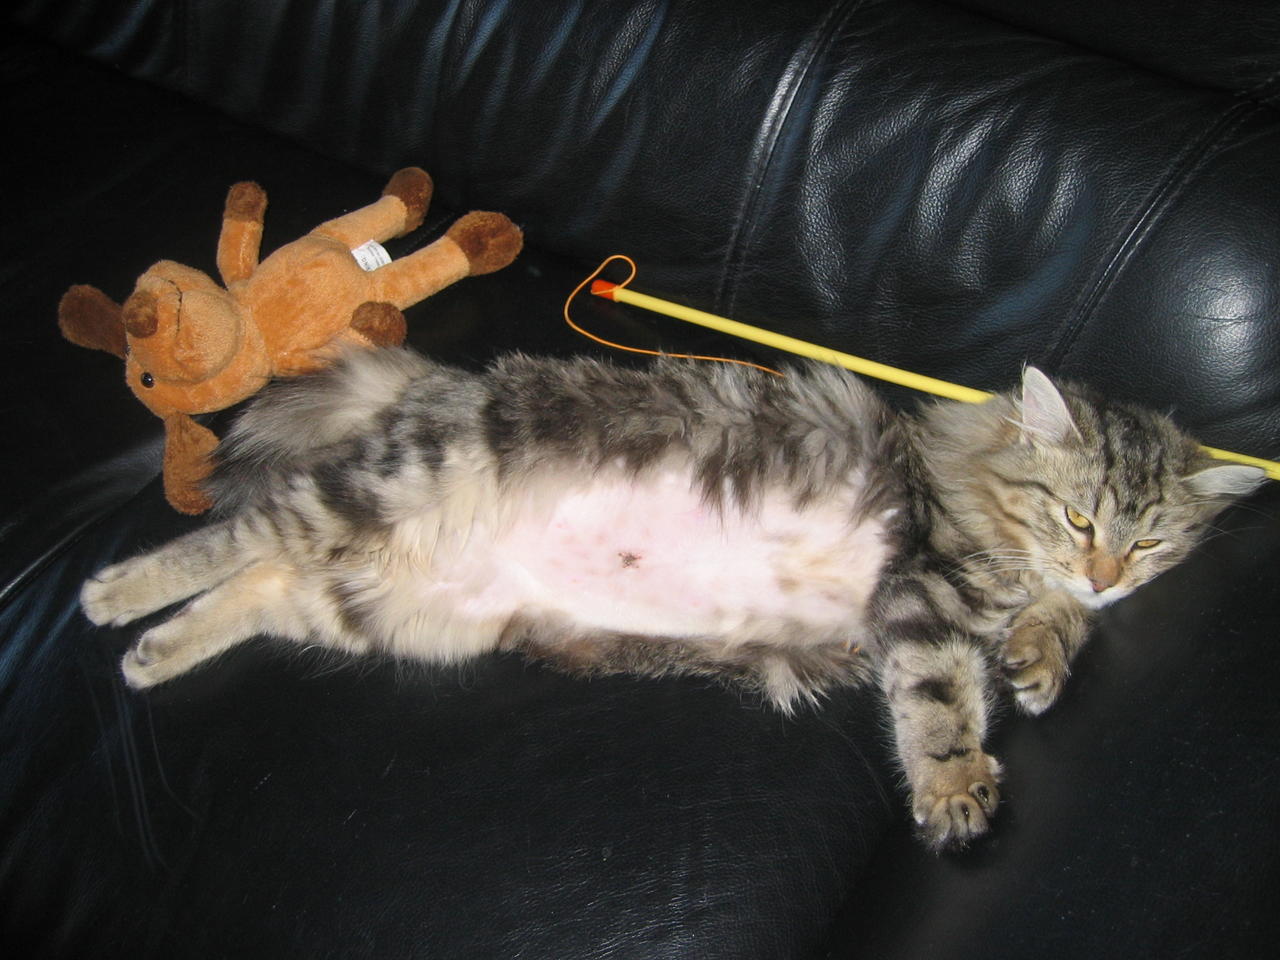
1036 668
115 595
958 800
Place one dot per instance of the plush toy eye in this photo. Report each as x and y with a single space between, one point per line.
1146 544
148 381
1079 520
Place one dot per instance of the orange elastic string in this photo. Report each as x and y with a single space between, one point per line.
619 346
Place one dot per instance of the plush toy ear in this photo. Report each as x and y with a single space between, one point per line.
1045 416
1229 480
89 318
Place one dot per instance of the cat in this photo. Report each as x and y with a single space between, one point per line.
791 534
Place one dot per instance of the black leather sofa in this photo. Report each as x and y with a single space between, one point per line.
955 188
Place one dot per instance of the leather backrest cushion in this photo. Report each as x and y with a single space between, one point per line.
1230 45
916 182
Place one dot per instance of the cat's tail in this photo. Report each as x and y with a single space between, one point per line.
294 425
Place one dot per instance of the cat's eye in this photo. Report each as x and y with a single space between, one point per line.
1146 544
1079 520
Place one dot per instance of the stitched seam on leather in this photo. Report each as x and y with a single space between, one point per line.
1180 174
774 123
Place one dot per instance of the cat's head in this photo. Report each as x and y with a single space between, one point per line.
1095 497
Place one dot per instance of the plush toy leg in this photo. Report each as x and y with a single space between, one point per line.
399 211
188 461
477 243
241 237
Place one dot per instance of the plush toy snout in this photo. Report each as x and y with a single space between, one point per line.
141 314
181 325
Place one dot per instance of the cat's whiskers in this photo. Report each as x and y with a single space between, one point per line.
1012 568
1003 560
1237 505
1214 532
1000 551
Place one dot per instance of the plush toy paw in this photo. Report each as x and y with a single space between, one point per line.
413 187
380 323
490 240
246 201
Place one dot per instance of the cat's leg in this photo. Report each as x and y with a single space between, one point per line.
191 564
267 598
1043 640
939 697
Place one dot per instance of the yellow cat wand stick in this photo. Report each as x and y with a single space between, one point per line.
620 293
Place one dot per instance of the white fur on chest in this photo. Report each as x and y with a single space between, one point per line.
648 556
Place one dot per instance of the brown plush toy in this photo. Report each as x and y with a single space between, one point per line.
191 346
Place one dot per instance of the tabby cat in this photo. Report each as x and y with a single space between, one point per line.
792 534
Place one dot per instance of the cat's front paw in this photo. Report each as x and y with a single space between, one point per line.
1036 665
957 798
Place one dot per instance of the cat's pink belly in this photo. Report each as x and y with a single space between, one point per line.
650 557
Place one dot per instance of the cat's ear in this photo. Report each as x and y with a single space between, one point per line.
1045 417
1229 480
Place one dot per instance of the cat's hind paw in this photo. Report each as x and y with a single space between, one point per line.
139 671
116 595
958 799
162 653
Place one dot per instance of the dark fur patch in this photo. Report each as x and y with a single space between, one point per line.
935 689
954 753
348 495
354 613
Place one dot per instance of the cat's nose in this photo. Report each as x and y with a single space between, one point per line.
1103 572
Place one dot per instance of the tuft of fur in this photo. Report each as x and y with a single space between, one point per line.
394 504
299 423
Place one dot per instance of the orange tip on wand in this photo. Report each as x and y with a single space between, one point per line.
620 293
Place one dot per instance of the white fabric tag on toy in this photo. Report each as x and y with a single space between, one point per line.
371 255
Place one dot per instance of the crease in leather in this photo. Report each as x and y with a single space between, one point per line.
120 485
772 125
48 555
1267 91
1180 173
